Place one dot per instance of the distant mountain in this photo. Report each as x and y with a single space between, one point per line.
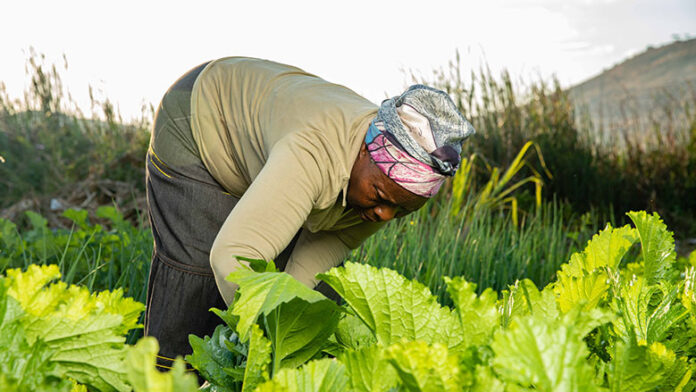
641 86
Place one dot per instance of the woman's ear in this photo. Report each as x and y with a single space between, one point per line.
363 150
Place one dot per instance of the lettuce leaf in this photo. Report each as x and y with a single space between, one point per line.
478 315
486 381
39 298
587 291
299 329
263 292
637 367
24 366
605 249
393 307
324 375
369 370
144 376
85 331
424 367
549 355
524 298
648 313
352 334
584 281
657 245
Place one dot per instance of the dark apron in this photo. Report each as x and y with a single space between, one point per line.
186 208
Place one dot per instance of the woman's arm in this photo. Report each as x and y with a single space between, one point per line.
316 253
270 212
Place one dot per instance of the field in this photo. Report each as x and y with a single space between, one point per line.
545 264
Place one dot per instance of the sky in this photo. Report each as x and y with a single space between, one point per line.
131 51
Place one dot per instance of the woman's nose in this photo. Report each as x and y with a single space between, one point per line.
385 213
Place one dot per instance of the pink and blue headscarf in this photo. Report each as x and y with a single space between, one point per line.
416 139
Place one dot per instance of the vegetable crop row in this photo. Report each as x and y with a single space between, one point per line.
621 316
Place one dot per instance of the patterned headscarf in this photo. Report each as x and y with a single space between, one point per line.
416 139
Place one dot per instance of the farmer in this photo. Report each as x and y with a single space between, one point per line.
263 160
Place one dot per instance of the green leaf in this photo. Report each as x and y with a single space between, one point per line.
88 350
79 217
27 288
331 347
424 367
227 316
352 334
144 376
688 295
586 291
585 280
486 381
37 221
629 369
548 355
683 336
259 358
605 249
324 375
650 311
212 356
368 370
24 366
113 302
10 236
298 329
524 298
112 214
646 368
667 314
84 330
297 319
657 244
393 307
678 371
478 315
259 265
39 298
262 292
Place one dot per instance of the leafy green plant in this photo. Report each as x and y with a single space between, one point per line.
486 248
144 376
105 256
615 320
85 332
59 337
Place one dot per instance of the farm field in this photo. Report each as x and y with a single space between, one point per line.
619 315
555 260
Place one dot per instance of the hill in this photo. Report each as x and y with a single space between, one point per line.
648 83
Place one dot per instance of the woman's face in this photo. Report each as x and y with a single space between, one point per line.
375 196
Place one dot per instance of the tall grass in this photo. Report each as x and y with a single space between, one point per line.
88 254
485 248
48 144
641 165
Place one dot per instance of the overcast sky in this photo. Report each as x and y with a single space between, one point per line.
132 51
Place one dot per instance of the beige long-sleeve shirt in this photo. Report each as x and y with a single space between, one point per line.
284 141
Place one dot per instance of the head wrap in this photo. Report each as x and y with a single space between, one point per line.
416 139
